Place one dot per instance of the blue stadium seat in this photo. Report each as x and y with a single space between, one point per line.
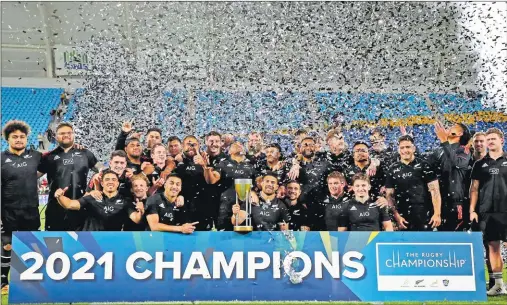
31 105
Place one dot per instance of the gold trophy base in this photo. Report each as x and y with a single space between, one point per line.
243 229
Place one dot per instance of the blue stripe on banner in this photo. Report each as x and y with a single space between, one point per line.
260 266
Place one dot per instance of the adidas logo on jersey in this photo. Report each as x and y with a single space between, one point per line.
56 158
161 205
485 165
8 160
230 165
353 209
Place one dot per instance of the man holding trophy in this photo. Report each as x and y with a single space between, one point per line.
262 213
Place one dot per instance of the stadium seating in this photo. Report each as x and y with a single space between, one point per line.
31 105
275 114
71 107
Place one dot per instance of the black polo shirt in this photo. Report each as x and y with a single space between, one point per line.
19 179
136 168
410 184
66 169
268 214
386 157
155 175
298 215
167 212
108 214
230 170
213 191
129 225
377 181
338 162
366 216
261 168
333 207
492 177
193 184
312 177
124 188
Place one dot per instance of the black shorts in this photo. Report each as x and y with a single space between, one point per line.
493 226
20 220
418 219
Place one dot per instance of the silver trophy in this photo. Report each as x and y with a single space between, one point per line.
243 187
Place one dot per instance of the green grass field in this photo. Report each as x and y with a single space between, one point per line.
500 300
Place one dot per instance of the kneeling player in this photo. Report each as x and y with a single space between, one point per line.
108 214
269 213
361 212
163 211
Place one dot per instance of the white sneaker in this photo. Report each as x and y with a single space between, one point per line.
496 290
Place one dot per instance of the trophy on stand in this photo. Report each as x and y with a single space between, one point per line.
242 187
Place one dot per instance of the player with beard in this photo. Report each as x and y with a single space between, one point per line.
214 155
488 196
196 174
298 138
175 149
379 149
164 214
118 164
366 165
140 194
298 212
338 154
361 213
20 200
310 171
108 214
450 161
332 204
236 167
255 143
412 189
270 213
273 164
153 136
66 167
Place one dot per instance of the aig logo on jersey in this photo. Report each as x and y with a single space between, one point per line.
405 175
17 165
108 209
68 161
494 171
